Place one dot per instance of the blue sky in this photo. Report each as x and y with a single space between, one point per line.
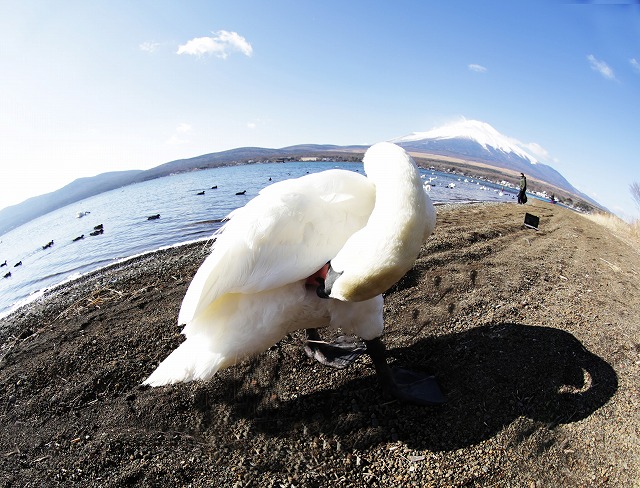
90 87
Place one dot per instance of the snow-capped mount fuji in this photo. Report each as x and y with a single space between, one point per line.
480 132
479 141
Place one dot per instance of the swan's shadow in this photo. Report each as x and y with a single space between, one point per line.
492 375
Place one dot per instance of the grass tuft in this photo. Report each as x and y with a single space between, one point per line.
620 228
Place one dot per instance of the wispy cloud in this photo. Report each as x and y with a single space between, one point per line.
478 68
635 64
179 135
183 128
601 67
219 45
536 150
258 123
149 46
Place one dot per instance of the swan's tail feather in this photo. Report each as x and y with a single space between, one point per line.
191 361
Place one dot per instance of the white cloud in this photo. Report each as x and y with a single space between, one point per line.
478 68
149 46
183 128
179 135
257 122
601 67
635 64
219 45
536 150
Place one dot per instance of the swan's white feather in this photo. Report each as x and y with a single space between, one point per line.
379 254
285 234
250 292
238 325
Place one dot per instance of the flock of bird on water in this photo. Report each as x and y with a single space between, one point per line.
97 230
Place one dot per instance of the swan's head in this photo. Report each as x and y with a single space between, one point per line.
378 255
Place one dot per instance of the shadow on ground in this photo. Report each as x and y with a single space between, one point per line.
492 375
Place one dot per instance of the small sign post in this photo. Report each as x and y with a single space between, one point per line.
531 221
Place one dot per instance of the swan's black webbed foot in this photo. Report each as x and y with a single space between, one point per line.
405 385
339 354
414 387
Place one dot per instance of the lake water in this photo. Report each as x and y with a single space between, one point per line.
184 216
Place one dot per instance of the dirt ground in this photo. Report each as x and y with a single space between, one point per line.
534 336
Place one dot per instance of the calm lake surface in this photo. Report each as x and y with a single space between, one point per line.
184 216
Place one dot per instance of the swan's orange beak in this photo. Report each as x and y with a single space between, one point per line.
318 277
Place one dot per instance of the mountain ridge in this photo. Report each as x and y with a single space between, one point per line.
479 141
474 130
470 140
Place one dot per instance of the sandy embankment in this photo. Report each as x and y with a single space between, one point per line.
534 336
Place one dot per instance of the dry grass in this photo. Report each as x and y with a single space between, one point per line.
628 232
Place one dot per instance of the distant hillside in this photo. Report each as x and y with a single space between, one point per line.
493 151
244 155
16 215
467 149
474 140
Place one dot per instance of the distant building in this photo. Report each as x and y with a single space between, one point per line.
308 159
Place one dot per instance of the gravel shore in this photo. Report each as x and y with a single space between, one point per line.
534 337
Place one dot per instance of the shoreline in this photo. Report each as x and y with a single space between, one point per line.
532 335
66 293
42 293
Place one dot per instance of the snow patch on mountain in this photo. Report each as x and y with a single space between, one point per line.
475 130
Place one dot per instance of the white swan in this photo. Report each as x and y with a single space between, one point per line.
307 253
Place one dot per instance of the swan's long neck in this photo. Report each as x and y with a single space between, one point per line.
378 255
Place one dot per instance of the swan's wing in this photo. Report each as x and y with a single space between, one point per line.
283 235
